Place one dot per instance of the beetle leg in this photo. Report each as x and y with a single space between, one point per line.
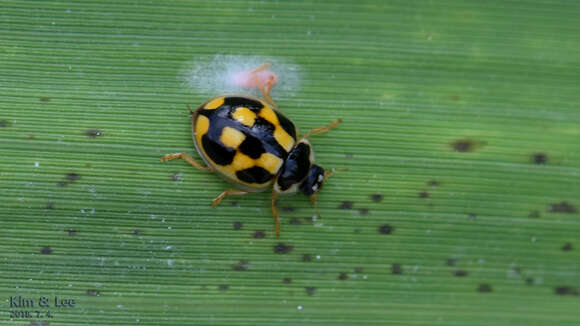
275 212
187 158
226 193
323 129
314 201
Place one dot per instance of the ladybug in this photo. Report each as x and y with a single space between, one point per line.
250 143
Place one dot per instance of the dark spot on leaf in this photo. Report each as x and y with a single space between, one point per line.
288 209
562 207
363 211
397 269
223 287
433 183
295 221
356 230
451 261
377 197
460 273
46 250
342 276
5 123
31 136
45 99
287 280
358 269
136 231
306 257
310 290
259 234
177 176
72 176
423 194
471 216
463 145
93 292
386 229
346 205
93 133
517 270
529 281
71 232
349 156
534 214
49 205
242 265
484 288
282 248
567 246
62 184
237 225
565 290
539 158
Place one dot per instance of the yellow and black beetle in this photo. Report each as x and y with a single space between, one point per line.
254 146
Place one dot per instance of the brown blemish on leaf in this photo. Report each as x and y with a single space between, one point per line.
484 288
237 225
562 207
342 276
386 229
397 269
259 234
465 145
282 248
346 205
565 290
72 177
93 293
310 290
460 273
93 133
377 197
242 265
567 246
46 250
539 158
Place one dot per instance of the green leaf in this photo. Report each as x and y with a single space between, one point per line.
457 202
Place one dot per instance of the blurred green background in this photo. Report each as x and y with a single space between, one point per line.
461 139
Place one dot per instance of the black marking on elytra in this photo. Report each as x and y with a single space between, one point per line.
286 124
567 246
377 197
234 102
484 288
287 280
534 214
242 265
93 293
223 287
314 181
306 257
347 204
282 248
460 273
255 174
296 166
218 153
310 290
237 225
259 234
566 290
539 158
562 207
252 147
46 250
93 133
397 269
463 145
342 276
386 229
